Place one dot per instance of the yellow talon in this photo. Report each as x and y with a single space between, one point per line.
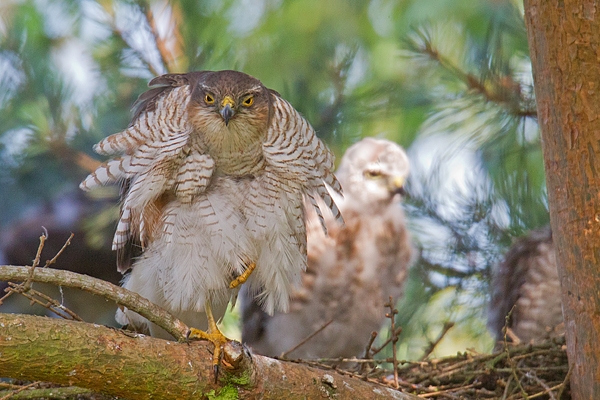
243 277
213 335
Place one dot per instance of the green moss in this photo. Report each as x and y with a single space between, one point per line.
228 392
241 380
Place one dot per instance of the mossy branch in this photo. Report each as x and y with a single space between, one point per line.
116 363
119 363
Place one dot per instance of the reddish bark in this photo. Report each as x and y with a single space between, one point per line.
564 39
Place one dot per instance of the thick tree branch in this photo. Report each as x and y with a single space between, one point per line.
114 362
119 363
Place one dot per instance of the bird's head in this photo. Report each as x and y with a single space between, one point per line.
374 170
230 108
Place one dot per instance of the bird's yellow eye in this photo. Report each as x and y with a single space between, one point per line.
372 174
249 101
209 99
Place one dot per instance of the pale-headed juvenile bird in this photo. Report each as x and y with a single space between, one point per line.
215 168
525 287
352 271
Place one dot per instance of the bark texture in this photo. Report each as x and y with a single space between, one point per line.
564 40
118 363
113 362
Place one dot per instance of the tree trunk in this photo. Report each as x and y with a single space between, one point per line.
564 40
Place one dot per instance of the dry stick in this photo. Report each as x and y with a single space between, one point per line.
36 260
26 285
448 391
547 390
338 370
306 339
53 259
4 385
388 360
511 362
564 384
388 340
432 345
391 315
514 369
368 348
20 389
119 295
368 353
27 291
50 304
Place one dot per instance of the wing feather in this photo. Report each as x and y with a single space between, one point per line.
154 156
294 150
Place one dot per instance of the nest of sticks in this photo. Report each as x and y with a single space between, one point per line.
539 371
515 371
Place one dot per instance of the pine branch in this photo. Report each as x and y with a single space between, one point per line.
495 87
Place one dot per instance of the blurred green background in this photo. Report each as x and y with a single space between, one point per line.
450 80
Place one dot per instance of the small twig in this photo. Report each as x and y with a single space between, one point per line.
338 370
51 304
547 390
5 385
432 345
367 355
507 387
306 339
388 340
26 285
53 259
27 291
36 260
565 383
514 368
19 390
448 391
358 361
507 331
368 348
8 293
392 315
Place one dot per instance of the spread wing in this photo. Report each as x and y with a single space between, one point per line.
293 147
152 158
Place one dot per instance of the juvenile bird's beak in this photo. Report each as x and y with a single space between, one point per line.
396 184
227 109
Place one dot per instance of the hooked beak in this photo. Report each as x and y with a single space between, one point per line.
397 185
227 110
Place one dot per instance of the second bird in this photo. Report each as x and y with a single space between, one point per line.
352 271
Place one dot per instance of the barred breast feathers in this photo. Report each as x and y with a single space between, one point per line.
294 150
